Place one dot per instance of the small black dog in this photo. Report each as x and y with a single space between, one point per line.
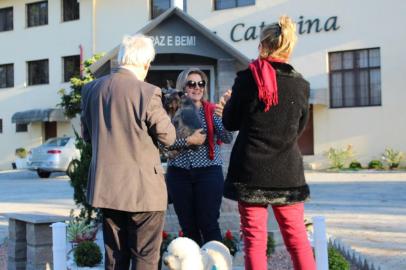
171 100
184 115
186 119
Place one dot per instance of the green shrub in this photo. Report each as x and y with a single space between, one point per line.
392 157
336 261
339 157
88 254
355 165
270 245
70 103
21 152
375 164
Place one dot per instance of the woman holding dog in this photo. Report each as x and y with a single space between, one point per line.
269 106
195 177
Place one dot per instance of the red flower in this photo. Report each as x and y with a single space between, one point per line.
164 235
180 233
229 235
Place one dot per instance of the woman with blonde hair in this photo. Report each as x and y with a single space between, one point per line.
269 106
195 176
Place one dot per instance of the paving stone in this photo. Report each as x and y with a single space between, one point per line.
17 250
39 234
46 266
39 255
16 265
17 230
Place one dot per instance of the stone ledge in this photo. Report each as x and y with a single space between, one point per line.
35 217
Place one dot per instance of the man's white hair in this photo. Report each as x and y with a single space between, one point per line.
136 50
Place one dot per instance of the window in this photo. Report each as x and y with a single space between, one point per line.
71 67
38 72
6 19
1 125
224 4
355 78
55 142
70 10
37 14
158 7
21 127
6 75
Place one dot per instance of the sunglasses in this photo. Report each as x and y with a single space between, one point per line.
194 84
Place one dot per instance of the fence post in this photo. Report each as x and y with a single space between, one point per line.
320 242
59 245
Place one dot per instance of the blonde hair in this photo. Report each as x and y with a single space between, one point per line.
278 39
182 79
136 50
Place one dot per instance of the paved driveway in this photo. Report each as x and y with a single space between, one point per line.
366 210
23 191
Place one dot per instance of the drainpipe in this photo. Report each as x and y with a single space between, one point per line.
81 60
94 4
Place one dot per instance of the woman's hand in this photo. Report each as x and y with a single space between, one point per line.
223 100
197 138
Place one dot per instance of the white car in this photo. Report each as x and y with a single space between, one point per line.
55 155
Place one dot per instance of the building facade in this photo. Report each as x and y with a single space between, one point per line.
350 52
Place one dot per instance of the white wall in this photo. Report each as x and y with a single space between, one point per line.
362 25
117 18
52 41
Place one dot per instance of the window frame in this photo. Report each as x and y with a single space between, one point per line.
355 70
74 73
1 125
151 7
72 18
237 5
8 85
29 81
21 127
27 7
4 9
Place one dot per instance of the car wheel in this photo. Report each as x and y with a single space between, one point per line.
43 174
72 167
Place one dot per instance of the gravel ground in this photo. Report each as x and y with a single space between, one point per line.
280 260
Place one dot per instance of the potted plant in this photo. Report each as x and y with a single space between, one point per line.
338 158
21 158
392 158
231 242
82 235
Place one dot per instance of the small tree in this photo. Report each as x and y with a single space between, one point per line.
70 102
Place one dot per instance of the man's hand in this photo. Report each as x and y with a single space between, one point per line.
197 138
223 100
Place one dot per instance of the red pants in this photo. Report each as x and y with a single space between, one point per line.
254 220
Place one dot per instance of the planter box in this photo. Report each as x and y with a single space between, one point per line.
21 163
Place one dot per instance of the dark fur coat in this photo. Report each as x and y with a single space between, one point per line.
266 165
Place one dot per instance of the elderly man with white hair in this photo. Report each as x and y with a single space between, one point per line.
123 118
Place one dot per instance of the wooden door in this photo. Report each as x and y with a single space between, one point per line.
306 141
50 130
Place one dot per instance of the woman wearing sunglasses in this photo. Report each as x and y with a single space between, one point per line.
269 105
195 176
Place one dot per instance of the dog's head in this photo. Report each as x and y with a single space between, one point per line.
171 99
183 254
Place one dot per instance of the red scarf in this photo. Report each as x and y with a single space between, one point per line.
208 115
265 77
